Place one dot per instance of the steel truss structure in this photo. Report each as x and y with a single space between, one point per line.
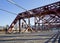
45 18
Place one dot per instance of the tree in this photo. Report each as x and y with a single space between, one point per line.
6 28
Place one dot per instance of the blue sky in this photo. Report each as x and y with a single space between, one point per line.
7 18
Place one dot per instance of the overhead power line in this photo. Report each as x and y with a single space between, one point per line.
16 4
19 6
8 12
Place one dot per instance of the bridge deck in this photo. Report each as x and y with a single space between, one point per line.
41 37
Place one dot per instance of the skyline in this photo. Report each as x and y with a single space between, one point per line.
7 18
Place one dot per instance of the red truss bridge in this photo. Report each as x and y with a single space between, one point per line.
45 18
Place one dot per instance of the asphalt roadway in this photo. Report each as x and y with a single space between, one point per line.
36 37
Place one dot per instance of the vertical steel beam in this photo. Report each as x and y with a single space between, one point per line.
29 21
38 23
19 25
35 23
